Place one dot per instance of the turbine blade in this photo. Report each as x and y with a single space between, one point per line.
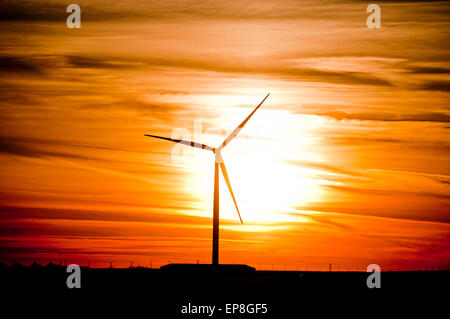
237 129
189 143
227 179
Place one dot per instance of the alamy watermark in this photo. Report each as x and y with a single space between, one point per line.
197 137
74 279
374 19
374 280
74 19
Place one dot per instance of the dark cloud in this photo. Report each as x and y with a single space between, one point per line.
334 111
428 70
149 249
405 144
54 10
37 142
286 72
103 63
14 146
443 181
289 73
400 207
36 64
31 11
324 167
15 212
14 64
15 94
357 140
388 116
18 221
160 111
339 77
382 192
326 221
443 86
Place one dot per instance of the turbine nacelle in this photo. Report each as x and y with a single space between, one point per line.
218 156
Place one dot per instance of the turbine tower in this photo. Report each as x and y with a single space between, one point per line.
218 163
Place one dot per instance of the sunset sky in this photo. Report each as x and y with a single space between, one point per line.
347 162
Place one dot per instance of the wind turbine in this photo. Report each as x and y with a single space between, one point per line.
218 162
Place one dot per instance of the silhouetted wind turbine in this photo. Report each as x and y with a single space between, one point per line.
218 162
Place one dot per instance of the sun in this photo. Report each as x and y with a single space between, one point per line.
258 160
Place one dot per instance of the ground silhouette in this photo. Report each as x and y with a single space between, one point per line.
162 293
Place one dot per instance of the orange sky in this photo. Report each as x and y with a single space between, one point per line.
346 163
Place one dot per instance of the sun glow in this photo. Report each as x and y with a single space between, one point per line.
266 186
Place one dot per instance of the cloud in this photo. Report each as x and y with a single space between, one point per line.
325 167
283 71
286 72
357 140
443 86
382 192
39 142
31 11
388 116
36 64
334 112
441 178
53 11
428 70
15 64
39 252
101 10
79 61
15 94
17 212
22 147
326 221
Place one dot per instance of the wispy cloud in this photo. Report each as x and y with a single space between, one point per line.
428 70
13 147
443 86
18 65
388 116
